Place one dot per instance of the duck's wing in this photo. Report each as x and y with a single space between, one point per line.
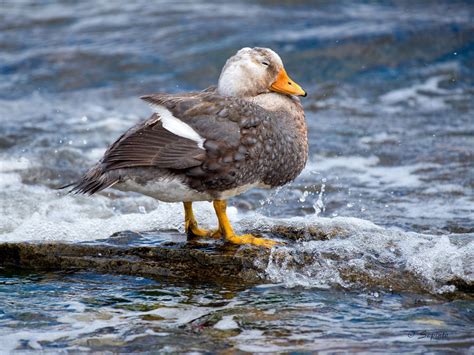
151 144
195 133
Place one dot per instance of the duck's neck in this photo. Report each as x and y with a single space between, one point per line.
235 81
278 102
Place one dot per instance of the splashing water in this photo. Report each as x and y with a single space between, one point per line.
319 204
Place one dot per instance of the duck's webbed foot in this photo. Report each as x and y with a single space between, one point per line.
192 230
228 233
225 229
250 239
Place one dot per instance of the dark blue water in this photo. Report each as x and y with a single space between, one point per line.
85 311
390 114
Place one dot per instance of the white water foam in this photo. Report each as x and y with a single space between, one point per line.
359 245
226 323
372 178
426 96
35 213
368 171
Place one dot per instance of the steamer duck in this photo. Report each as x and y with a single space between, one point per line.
247 132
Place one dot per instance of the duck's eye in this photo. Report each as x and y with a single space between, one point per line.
266 63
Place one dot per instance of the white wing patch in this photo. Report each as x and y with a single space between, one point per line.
176 126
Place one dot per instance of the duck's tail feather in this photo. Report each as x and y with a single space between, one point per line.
66 186
95 180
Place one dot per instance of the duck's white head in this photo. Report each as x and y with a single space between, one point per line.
254 71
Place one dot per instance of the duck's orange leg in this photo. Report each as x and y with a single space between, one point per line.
225 228
191 225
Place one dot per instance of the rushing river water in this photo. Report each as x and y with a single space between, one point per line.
390 114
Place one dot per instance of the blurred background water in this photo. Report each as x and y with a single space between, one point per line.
390 114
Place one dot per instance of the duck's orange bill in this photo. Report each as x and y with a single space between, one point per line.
285 85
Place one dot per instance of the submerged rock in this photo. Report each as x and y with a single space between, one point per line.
319 257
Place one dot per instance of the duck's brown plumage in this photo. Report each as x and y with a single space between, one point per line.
243 144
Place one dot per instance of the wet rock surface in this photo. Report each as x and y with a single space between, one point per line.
175 260
170 255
